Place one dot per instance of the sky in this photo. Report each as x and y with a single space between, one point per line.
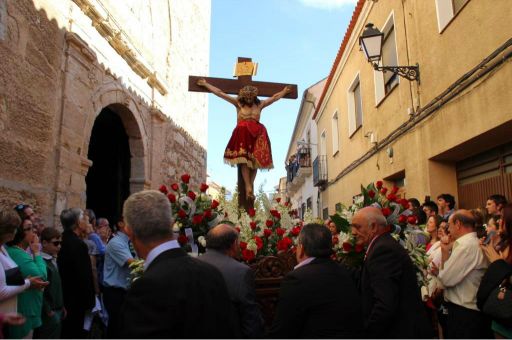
293 42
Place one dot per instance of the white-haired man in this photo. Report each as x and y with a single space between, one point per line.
178 296
392 306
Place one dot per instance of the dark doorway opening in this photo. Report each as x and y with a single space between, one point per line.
108 179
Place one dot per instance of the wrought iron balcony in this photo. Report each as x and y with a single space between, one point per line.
320 171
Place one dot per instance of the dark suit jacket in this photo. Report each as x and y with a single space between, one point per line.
240 282
75 273
177 297
318 300
494 276
392 305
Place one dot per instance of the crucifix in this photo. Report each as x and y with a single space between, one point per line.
240 147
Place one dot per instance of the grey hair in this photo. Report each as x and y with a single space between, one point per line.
376 217
69 218
148 214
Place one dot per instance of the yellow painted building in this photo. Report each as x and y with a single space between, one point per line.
450 132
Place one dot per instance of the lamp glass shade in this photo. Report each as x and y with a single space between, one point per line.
371 43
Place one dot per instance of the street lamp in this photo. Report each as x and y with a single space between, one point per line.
371 43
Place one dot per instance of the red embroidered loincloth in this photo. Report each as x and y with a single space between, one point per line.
249 144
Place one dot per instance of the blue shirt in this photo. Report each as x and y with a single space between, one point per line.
116 272
97 241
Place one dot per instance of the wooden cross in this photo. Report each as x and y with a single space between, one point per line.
232 86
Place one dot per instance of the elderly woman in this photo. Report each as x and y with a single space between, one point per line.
30 302
11 279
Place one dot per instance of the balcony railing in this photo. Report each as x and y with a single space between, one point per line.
302 160
320 171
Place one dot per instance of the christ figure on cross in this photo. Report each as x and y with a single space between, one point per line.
249 145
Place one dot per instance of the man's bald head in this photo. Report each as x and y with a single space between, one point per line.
221 238
460 223
373 215
367 223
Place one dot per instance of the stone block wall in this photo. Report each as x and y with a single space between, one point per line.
57 76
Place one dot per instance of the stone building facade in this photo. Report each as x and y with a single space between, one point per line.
94 101
450 132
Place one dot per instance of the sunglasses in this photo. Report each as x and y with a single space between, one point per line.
56 243
21 207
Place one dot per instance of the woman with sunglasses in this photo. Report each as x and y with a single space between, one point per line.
30 301
12 282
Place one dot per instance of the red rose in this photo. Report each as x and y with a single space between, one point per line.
237 229
185 178
171 197
386 212
391 197
163 189
197 219
259 242
274 212
358 248
286 204
175 186
182 239
404 203
347 246
278 215
253 225
243 245
215 204
284 244
395 189
203 187
269 223
182 213
192 195
383 191
278 200
402 219
251 212
378 185
371 193
411 219
295 231
335 240
280 231
207 214
267 232
248 255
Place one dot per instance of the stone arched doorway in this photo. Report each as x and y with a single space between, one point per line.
114 146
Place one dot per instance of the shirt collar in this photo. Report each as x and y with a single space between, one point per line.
173 244
46 256
122 235
305 262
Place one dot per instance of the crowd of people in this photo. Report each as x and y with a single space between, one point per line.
75 283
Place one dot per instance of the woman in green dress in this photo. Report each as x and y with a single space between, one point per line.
25 250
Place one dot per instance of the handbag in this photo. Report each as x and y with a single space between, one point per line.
13 277
499 303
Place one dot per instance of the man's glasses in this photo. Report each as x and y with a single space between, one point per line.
56 243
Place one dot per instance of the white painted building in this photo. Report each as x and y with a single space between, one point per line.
302 152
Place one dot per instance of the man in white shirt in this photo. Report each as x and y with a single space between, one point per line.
461 273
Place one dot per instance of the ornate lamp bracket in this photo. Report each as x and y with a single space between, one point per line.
408 72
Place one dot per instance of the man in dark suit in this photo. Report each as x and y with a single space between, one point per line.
318 299
222 246
392 305
76 273
178 296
